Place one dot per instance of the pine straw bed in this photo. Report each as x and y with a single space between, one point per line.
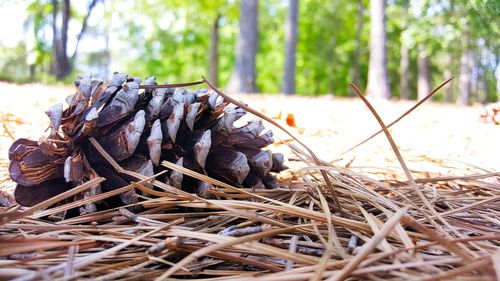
433 228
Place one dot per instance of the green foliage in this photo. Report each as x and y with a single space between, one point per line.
326 46
13 64
171 39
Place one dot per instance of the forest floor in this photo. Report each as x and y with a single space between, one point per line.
451 154
435 139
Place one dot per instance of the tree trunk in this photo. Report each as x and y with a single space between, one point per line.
424 78
466 62
378 81
214 52
64 63
404 62
483 77
61 66
404 65
448 92
497 76
291 35
55 36
243 78
64 26
355 75
32 72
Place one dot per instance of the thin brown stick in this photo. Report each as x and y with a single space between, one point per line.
409 176
420 102
6 129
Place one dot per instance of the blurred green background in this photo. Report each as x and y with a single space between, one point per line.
426 40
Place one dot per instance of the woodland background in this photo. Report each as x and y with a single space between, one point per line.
393 49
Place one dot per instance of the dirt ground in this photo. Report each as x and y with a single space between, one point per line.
442 139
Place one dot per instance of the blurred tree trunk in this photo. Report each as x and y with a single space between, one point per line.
466 64
62 64
483 91
404 65
483 77
448 92
291 35
55 35
424 76
378 81
404 62
244 75
355 74
214 52
66 15
497 76
32 72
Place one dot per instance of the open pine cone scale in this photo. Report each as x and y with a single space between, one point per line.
139 129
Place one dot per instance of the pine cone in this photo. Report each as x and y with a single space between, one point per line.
140 129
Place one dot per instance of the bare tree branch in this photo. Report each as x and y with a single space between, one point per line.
84 27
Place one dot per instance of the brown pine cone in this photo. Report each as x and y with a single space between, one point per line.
139 129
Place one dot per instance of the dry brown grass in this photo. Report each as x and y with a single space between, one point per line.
430 214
